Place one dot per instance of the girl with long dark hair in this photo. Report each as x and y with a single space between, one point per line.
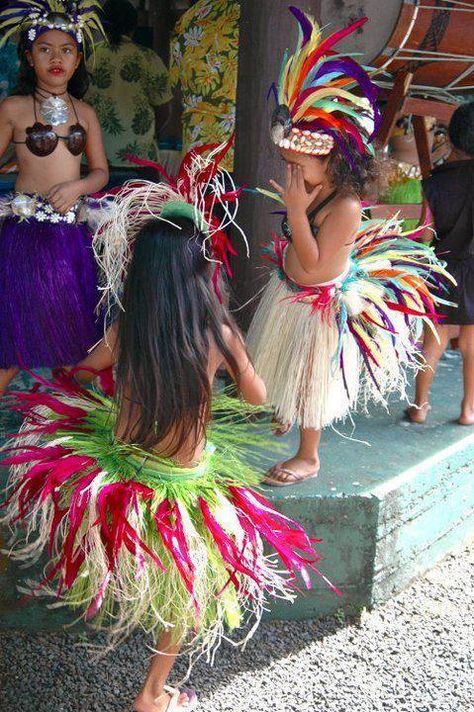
146 499
48 282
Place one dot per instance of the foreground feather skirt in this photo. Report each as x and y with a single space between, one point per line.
133 540
326 349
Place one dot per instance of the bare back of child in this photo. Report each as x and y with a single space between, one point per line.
165 373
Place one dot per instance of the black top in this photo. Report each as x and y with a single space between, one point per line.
450 194
285 225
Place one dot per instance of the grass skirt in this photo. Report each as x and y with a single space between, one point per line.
294 350
48 293
132 539
325 349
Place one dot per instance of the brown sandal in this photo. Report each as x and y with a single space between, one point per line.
295 477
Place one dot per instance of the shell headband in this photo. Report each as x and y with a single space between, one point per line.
80 20
317 104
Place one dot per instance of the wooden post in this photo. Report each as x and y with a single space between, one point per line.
420 130
266 30
395 102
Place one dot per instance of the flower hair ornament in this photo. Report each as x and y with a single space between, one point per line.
202 191
323 97
79 19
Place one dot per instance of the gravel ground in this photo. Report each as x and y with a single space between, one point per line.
414 654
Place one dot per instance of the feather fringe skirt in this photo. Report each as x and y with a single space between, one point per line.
135 540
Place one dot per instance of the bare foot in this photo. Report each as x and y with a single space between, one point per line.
467 415
279 429
292 472
418 413
147 703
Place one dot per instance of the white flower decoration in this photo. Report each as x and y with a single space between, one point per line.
70 217
55 218
193 37
192 101
195 133
32 34
40 216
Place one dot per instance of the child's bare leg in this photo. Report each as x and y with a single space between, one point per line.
152 697
432 352
466 347
6 376
303 465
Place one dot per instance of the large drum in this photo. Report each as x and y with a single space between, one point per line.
434 39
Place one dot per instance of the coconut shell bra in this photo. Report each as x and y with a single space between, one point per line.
42 140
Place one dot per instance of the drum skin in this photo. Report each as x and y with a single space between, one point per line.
435 43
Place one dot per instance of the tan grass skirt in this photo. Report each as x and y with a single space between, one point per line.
295 352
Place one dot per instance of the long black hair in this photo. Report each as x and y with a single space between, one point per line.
26 82
171 313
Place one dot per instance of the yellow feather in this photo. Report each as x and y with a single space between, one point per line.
322 94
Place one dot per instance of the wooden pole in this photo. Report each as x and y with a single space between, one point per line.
395 102
266 30
420 130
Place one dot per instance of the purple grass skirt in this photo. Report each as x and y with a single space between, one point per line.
48 293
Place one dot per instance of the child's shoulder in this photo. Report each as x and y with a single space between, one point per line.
13 109
349 204
13 104
341 207
86 108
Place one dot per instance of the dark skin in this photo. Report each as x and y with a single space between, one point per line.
312 260
153 696
434 345
54 57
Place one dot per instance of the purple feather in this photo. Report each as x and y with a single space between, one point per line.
350 68
273 90
304 23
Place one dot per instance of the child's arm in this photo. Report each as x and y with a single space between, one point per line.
64 195
6 126
102 357
98 175
250 385
427 217
298 200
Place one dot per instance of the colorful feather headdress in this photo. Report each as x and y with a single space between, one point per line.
317 106
202 191
79 19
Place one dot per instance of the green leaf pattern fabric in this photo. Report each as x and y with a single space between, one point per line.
128 83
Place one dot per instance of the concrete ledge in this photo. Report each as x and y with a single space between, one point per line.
386 513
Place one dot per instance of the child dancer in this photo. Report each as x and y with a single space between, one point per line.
144 501
333 325
48 285
449 195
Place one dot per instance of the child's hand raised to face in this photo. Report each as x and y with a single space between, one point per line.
295 194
